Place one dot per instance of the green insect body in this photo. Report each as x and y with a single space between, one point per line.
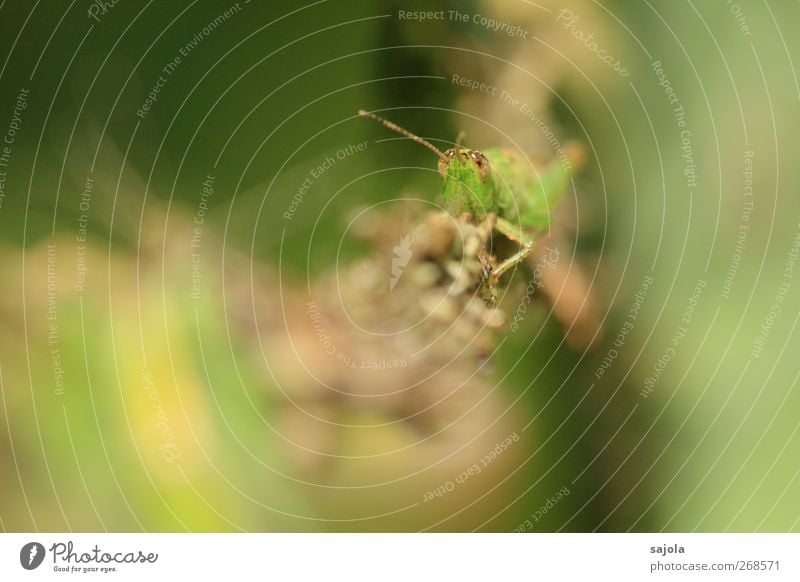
510 188
501 182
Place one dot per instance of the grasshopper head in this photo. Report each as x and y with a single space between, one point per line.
465 173
466 188
464 160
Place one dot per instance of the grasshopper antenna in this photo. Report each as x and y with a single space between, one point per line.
401 131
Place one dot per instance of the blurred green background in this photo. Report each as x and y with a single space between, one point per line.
131 404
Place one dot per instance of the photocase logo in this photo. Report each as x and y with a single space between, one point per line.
31 555
402 254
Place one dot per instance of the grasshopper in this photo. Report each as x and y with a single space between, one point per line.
499 183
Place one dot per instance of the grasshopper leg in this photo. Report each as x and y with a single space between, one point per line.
516 234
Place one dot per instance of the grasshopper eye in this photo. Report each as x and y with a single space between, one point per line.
480 162
445 160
